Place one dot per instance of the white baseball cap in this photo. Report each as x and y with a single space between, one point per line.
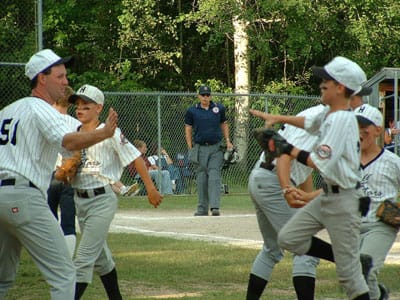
88 93
369 115
344 71
43 60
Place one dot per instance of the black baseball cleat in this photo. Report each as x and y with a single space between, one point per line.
384 292
197 214
366 265
215 212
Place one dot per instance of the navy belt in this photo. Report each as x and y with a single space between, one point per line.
86 193
12 181
335 189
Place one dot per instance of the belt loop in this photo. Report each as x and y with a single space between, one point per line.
90 193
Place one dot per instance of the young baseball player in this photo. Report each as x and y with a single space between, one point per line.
380 181
336 156
32 134
95 201
273 212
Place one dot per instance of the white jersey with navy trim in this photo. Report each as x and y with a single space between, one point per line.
103 162
337 151
380 181
31 134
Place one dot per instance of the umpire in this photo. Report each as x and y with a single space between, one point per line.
205 126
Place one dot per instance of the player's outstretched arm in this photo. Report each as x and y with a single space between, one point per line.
274 119
79 140
153 195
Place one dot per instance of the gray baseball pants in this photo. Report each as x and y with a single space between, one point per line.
26 221
272 213
376 240
209 177
94 216
339 214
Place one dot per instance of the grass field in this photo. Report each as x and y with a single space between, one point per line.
163 268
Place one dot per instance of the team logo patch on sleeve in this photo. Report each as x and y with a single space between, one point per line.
215 110
123 139
324 151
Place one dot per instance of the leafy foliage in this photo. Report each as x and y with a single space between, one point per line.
170 45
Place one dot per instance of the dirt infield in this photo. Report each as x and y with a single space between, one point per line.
232 228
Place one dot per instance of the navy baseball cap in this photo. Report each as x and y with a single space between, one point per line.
204 89
43 60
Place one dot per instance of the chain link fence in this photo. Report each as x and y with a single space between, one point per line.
18 40
158 120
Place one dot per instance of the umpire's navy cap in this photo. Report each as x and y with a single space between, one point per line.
204 89
43 60
344 71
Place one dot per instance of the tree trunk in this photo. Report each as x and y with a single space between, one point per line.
240 41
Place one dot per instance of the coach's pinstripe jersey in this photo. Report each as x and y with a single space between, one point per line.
337 151
103 163
73 125
31 134
380 181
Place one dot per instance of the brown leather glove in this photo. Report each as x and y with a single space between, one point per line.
69 167
389 213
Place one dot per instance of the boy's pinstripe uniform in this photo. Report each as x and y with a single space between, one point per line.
380 181
337 158
101 165
273 211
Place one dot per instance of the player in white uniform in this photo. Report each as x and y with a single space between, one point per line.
337 158
273 212
380 181
95 201
32 134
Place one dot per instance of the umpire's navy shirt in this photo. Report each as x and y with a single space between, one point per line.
206 123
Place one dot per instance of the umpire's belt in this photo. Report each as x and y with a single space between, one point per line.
91 193
208 143
335 189
13 181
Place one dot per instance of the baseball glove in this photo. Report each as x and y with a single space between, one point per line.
273 144
389 213
68 169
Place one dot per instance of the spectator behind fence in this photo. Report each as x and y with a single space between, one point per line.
389 136
166 163
166 185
